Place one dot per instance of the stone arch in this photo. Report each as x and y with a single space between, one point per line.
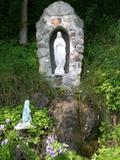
65 36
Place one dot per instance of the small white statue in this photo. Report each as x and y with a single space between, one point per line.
59 54
26 117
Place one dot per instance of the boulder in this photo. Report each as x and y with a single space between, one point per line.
76 124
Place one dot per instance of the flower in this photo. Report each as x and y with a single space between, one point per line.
48 149
53 147
60 150
5 141
65 145
88 71
50 139
52 153
7 120
2 127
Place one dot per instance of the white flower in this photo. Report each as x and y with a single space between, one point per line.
2 127
60 150
88 71
65 145
7 120
5 141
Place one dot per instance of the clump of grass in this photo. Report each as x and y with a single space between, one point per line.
19 76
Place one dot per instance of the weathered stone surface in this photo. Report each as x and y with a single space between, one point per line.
75 124
42 45
80 48
59 9
42 53
60 16
46 65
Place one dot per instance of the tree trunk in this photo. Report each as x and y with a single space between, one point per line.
23 30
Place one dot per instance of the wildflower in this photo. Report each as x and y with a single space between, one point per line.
18 146
52 153
50 139
48 149
47 142
88 71
4 142
60 150
7 120
65 145
52 149
2 127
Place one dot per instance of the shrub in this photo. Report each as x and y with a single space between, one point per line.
19 77
28 141
100 81
107 154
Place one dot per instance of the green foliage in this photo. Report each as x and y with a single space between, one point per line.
28 141
101 75
19 78
91 14
15 142
110 135
114 31
110 87
109 143
101 82
70 155
107 154
42 123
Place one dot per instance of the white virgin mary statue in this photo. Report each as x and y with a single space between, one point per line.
26 117
59 54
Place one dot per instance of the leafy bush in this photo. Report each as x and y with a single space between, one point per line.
114 31
100 81
110 135
28 141
19 77
110 88
109 143
107 154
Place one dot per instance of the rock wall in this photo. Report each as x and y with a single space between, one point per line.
76 124
61 16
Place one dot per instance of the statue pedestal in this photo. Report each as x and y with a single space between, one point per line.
59 72
21 126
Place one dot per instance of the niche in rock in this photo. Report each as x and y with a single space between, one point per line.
65 36
66 66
